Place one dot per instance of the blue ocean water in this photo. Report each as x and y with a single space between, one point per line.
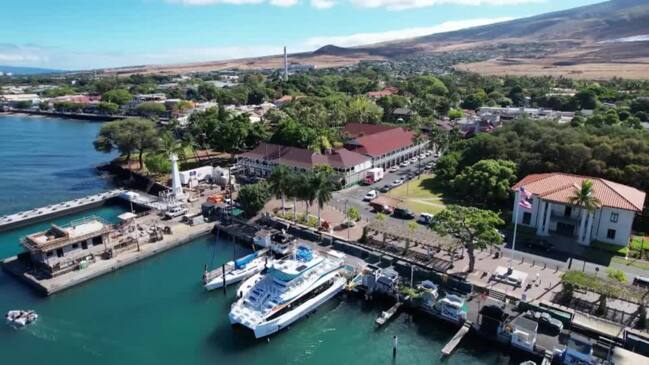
47 160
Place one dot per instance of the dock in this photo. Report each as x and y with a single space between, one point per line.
182 234
387 315
452 344
27 217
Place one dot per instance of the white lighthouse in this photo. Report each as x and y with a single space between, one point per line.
176 187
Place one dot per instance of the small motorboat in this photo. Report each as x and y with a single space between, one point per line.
21 318
237 270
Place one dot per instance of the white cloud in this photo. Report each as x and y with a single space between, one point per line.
410 4
283 3
322 4
369 38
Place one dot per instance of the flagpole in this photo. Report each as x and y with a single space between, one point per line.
518 201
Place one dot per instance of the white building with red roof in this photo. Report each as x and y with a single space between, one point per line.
385 145
260 161
552 212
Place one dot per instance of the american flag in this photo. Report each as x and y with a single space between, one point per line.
525 198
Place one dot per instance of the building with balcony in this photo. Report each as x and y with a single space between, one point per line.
385 145
552 213
260 162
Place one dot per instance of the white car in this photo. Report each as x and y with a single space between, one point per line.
397 182
394 168
405 163
372 194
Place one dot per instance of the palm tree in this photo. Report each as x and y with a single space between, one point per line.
280 181
308 183
169 145
324 188
584 198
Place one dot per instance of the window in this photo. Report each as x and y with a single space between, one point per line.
75 245
527 217
50 253
615 217
610 234
84 245
96 241
59 252
568 211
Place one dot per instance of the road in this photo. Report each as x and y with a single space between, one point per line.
353 196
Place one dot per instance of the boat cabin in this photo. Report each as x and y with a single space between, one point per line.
524 333
579 350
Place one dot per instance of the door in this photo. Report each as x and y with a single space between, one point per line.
565 229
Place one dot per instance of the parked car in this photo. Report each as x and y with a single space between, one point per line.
378 208
425 218
429 166
385 188
394 168
370 195
405 163
403 213
397 182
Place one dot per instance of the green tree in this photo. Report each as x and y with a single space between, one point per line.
447 167
117 96
424 85
353 214
323 186
584 198
455 113
170 145
476 228
280 180
253 197
487 181
150 109
363 110
473 101
158 163
105 107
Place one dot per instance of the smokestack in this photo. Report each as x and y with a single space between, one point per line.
285 65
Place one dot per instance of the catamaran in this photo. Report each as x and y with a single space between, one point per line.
236 270
288 290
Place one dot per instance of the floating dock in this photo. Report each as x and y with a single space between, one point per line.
27 217
452 344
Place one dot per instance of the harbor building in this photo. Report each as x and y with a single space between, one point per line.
261 161
552 214
385 145
61 249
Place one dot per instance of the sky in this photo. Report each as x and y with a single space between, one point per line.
87 34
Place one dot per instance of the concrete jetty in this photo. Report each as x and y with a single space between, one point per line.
181 234
27 217
452 344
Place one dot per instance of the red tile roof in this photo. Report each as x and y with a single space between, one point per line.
381 143
385 92
303 158
559 187
354 130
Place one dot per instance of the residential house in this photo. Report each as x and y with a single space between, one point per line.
387 91
261 161
552 213
404 114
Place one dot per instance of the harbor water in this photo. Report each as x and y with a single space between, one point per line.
156 311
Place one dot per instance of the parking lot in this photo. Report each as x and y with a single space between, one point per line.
353 196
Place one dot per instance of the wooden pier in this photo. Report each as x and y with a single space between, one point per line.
27 217
452 344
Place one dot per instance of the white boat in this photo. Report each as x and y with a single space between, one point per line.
21 318
452 308
237 270
288 290
281 243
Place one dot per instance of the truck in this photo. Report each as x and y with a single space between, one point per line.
373 175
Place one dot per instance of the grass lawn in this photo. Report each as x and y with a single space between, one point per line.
640 264
420 195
